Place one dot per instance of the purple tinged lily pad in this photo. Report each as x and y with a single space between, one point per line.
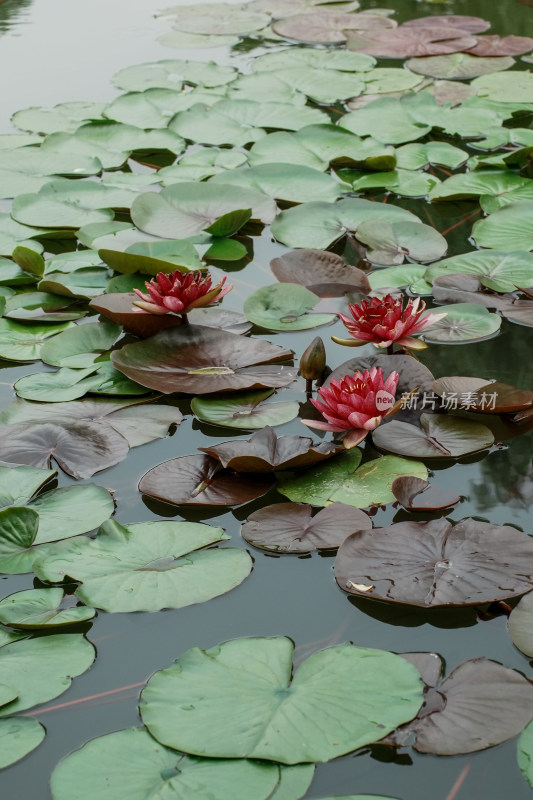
198 360
327 27
201 480
484 397
80 449
464 23
519 311
410 42
292 528
323 273
440 436
265 451
466 288
416 494
501 46
480 704
431 564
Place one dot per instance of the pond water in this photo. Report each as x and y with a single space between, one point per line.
67 51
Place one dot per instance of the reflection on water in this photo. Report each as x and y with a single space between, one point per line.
10 13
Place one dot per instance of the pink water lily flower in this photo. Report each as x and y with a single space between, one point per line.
356 404
384 321
179 292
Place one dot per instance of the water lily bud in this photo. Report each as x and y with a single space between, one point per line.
313 360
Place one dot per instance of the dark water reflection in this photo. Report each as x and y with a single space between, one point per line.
290 596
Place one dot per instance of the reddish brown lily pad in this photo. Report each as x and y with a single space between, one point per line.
501 46
326 274
477 394
411 41
265 451
519 311
118 307
201 480
430 564
292 528
198 360
440 436
327 27
480 704
465 288
464 23
80 449
416 494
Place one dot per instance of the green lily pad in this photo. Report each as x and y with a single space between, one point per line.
100 768
148 566
18 737
57 387
19 342
153 108
406 183
417 155
525 753
27 169
72 261
12 274
291 722
187 209
171 74
284 307
42 307
340 480
80 347
62 143
510 228
391 242
318 225
317 145
479 182
85 283
464 322
411 275
246 410
388 116
12 233
506 87
292 84
63 117
501 271
440 436
19 484
42 668
120 138
342 60
35 609
239 122
29 260
59 511
183 255
292 183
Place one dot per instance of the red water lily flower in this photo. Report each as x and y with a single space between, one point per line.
179 292
355 404
384 321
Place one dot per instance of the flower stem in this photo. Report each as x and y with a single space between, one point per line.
184 319
390 349
309 386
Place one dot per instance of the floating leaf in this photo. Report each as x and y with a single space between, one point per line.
327 27
42 668
147 567
56 387
292 721
474 184
439 437
245 410
458 66
62 117
418 495
494 46
433 563
59 510
480 704
406 183
520 625
81 346
198 360
24 343
187 209
394 121
409 41
284 307
464 322
292 183
291 528
501 271
18 737
199 480
325 274
172 74
42 307
510 228
391 242
318 225
18 484
341 60
100 769
505 87
265 452
34 609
